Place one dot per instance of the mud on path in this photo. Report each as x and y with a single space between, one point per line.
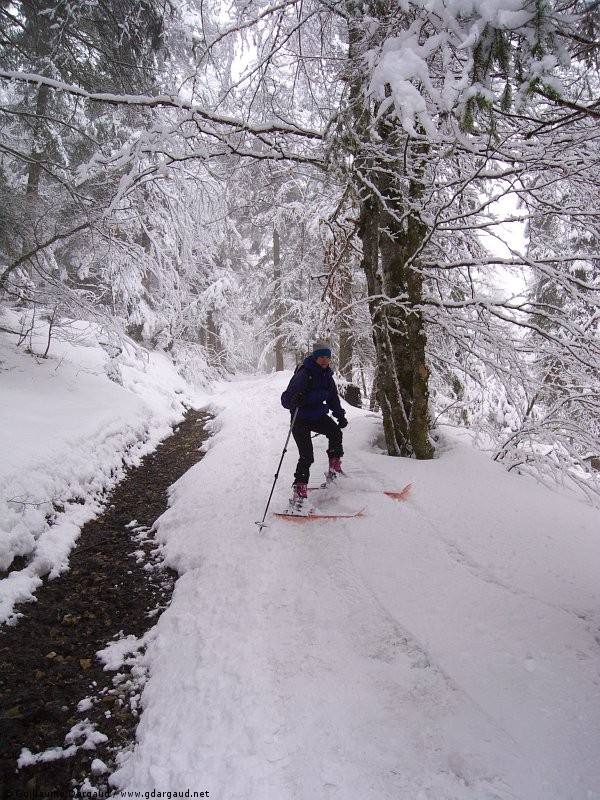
116 585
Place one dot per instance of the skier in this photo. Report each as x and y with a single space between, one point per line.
313 392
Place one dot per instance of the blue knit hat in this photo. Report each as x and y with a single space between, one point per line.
321 349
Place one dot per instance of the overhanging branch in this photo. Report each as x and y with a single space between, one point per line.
165 101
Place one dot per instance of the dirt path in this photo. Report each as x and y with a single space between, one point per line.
48 662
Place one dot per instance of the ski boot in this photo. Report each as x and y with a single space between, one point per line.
298 499
334 471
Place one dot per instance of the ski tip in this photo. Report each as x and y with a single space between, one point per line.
402 495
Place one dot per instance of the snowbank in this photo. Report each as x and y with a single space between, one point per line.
71 424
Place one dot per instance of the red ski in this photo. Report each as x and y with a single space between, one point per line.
401 495
311 517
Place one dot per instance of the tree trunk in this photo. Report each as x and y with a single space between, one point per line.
277 304
400 241
34 172
395 421
346 348
391 239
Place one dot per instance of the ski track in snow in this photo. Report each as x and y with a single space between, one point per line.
381 657
482 572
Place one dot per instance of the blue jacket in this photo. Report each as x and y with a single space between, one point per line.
319 390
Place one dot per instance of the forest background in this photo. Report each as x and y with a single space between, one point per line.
227 182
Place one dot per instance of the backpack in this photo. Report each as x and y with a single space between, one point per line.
286 400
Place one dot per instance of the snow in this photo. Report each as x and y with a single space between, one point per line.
420 77
446 647
82 735
68 431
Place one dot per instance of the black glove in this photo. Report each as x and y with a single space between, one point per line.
299 400
342 422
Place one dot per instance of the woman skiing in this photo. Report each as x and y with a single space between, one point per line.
312 391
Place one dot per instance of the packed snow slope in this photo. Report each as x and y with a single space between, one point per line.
442 648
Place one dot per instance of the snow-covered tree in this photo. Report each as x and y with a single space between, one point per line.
416 118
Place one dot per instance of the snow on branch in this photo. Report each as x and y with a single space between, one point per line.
165 101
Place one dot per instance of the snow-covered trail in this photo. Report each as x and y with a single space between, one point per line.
444 648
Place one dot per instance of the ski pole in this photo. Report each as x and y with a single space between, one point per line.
262 523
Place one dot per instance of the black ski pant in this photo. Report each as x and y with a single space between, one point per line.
302 436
